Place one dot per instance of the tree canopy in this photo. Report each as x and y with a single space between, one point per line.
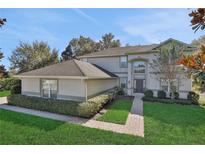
67 54
84 45
195 62
27 56
198 19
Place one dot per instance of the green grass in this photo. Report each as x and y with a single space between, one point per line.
5 93
117 112
164 124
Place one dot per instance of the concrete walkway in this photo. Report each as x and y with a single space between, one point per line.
134 124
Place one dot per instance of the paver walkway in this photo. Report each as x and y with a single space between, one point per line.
134 124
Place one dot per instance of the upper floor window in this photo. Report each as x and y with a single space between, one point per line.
139 67
123 61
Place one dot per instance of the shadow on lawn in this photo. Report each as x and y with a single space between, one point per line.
175 114
29 120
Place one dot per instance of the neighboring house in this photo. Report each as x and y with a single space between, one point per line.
132 65
97 72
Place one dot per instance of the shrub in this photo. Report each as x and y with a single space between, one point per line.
16 89
194 97
148 93
120 91
161 94
82 109
168 101
7 83
176 95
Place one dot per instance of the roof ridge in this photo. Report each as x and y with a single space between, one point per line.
74 60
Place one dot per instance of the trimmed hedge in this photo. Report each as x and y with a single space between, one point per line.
148 93
82 109
168 101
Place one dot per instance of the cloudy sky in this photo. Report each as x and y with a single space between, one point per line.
59 26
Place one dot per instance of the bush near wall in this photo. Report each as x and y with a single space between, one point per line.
82 109
168 101
8 83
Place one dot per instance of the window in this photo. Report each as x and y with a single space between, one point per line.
123 82
49 88
123 61
164 85
139 67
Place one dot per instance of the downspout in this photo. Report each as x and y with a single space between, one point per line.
86 91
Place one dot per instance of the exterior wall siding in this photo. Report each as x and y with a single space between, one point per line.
30 87
71 89
97 86
111 64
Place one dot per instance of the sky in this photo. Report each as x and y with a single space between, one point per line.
58 26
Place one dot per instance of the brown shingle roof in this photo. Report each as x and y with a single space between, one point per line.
69 68
118 51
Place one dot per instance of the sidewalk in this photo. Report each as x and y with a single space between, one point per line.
133 126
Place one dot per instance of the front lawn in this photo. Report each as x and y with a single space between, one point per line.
117 112
164 124
5 93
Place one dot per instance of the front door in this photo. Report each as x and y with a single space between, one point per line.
139 85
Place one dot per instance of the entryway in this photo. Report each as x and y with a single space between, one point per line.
139 85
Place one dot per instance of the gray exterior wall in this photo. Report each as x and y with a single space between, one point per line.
30 87
111 64
97 86
70 89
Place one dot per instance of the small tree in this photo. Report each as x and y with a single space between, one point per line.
67 54
164 66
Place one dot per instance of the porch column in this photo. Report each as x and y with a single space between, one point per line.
129 83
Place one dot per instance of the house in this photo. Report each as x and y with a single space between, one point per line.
127 67
132 65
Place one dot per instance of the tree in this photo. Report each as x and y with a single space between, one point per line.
3 72
195 62
67 54
27 56
83 45
198 42
2 21
108 41
198 19
164 66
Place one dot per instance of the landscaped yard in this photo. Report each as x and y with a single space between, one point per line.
5 93
164 124
117 112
